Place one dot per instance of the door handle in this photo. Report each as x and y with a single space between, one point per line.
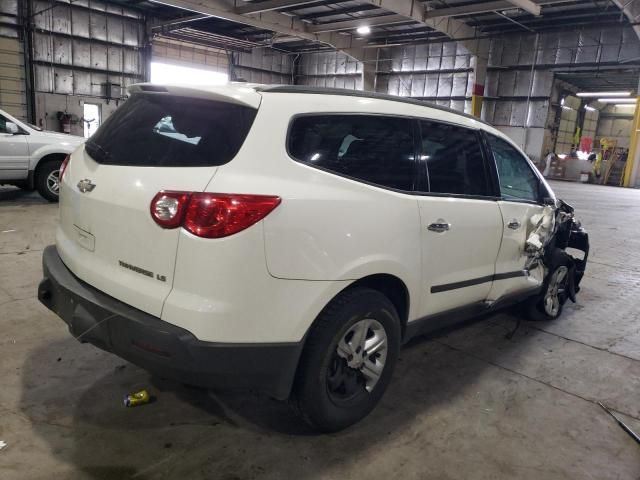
513 224
439 226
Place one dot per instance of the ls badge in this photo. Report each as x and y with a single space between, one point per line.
86 186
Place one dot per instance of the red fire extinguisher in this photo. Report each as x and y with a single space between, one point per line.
65 121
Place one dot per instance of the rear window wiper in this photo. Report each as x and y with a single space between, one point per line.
104 153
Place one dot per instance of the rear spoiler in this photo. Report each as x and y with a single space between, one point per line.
232 93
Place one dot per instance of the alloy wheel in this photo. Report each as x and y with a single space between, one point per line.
53 182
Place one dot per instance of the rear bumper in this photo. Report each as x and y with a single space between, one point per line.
158 346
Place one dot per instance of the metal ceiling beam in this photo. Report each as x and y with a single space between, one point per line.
268 6
167 25
527 6
631 8
273 21
352 24
415 10
484 8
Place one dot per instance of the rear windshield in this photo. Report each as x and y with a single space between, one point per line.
156 130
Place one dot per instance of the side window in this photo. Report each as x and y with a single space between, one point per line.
373 148
3 124
517 180
454 159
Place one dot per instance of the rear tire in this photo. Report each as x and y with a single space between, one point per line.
348 360
47 180
548 304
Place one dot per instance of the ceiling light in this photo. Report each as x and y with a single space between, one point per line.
624 105
603 94
364 30
617 100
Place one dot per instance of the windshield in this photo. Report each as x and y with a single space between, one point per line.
160 130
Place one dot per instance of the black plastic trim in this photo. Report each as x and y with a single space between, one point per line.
477 281
161 347
445 321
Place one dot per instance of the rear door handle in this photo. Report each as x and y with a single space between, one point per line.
513 224
439 226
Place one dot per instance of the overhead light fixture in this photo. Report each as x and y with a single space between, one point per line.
364 30
624 105
603 94
617 100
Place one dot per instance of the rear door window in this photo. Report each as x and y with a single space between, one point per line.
373 148
517 180
157 130
454 159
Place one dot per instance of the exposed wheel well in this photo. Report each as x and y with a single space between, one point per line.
49 157
393 288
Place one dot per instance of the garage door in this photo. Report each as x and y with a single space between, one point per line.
12 78
177 52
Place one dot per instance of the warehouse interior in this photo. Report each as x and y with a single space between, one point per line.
497 398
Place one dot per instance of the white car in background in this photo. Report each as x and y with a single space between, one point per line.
30 158
290 239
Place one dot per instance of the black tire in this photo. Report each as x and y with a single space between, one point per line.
536 308
319 405
42 177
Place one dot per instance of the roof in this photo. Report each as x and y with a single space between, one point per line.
362 94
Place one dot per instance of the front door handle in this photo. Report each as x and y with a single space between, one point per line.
439 226
513 224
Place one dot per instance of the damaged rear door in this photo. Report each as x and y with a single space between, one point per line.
523 213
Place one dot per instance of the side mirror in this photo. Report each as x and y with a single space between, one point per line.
12 128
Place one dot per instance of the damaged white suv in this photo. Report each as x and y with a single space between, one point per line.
290 239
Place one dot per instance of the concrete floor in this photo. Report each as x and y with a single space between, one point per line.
470 404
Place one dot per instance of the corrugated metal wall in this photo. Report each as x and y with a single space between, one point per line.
329 69
175 51
80 47
12 78
81 50
12 72
440 72
264 65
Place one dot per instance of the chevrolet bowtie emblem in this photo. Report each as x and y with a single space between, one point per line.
85 185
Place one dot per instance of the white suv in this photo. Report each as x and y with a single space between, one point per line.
291 239
30 158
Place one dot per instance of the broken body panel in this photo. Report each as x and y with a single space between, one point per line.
556 228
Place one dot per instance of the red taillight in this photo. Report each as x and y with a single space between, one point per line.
63 167
211 215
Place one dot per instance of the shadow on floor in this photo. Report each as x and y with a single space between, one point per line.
72 394
15 194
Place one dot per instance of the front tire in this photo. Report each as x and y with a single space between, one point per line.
348 360
47 180
549 303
